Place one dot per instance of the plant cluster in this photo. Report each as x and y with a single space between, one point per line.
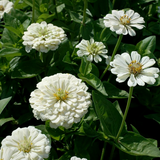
79 79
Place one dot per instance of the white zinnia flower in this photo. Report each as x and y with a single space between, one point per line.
62 98
43 37
135 68
5 7
93 50
6 153
28 143
122 22
76 158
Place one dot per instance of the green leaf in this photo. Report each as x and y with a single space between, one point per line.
114 92
155 117
56 134
10 52
94 81
107 113
135 144
67 59
3 103
85 67
4 120
76 17
86 31
147 44
24 68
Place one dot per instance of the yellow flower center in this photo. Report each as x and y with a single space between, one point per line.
1 8
125 20
135 68
93 49
25 146
61 95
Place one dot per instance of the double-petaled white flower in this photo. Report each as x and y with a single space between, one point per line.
93 50
62 98
26 143
138 69
43 37
76 158
5 7
122 22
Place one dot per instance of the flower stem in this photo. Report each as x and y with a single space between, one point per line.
54 2
103 150
113 4
33 9
123 120
84 12
113 54
125 113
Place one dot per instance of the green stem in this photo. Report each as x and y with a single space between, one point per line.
103 150
125 113
41 56
84 12
33 9
113 4
112 153
113 54
101 35
54 2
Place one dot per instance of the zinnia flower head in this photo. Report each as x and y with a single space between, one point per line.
76 158
43 37
138 69
122 22
5 7
62 98
28 143
93 50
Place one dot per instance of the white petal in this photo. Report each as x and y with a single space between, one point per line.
126 57
150 63
132 81
130 31
135 56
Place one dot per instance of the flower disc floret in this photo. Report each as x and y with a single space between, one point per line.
138 69
93 50
27 143
122 22
5 7
43 37
62 98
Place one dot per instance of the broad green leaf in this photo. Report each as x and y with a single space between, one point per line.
85 67
155 117
154 27
3 103
86 31
95 70
114 92
10 52
56 134
93 81
4 120
15 31
107 113
25 68
147 44
135 144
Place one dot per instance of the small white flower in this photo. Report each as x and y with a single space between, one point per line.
76 158
5 7
134 67
27 143
122 22
93 50
62 98
43 37
6 153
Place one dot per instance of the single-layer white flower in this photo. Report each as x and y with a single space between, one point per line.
62 98
93 50
6 153
28 143
43 37
138 69
122 22
76 158
5 7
